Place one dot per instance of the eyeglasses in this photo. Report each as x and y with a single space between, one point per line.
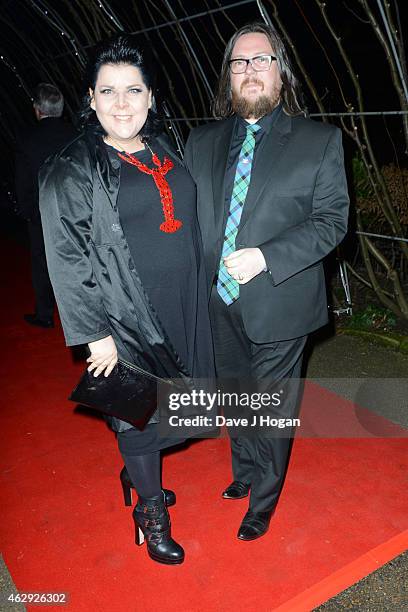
258 63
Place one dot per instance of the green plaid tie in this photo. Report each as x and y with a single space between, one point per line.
228 287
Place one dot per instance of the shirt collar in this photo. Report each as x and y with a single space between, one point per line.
266 122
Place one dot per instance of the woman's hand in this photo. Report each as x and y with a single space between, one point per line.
104 356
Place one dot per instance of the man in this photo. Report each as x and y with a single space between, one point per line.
272 202
47 137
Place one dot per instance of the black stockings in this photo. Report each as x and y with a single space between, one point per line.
144 472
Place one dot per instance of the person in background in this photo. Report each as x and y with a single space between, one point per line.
125 258
49 135
272 203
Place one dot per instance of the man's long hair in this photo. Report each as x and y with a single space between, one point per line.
291 95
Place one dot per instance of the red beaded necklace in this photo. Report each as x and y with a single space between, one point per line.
170 224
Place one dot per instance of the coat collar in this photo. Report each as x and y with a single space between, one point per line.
165 143
221 147
108 165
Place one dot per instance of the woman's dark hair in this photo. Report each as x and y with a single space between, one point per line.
291 95
121 49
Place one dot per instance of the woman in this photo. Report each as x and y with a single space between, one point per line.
124 257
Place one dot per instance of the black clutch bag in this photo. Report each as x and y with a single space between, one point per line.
128 393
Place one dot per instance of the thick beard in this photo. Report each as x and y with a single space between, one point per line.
254 109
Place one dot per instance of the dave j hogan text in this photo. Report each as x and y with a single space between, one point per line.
257 420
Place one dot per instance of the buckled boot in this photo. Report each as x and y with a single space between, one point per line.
152 523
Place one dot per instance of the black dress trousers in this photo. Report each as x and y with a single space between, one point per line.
44 294
259 458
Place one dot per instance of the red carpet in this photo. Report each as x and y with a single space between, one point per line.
64 528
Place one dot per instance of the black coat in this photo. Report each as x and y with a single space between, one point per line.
295 211
95 280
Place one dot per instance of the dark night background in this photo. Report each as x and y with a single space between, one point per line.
32 42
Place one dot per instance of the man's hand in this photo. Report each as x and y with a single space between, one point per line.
104 356
245 264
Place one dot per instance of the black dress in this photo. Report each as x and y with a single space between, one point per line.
169 266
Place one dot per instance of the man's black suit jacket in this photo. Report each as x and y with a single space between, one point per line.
37 143
296 212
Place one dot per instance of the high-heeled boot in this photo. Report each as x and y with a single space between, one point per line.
152 523
127 486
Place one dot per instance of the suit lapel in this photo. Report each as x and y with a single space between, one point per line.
221 149
266 165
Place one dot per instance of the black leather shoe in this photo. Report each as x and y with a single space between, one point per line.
236 490
32 319
127 486
254 525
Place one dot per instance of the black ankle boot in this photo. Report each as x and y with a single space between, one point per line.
152 522
127 486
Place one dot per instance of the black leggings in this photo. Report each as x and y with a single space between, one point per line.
144 472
